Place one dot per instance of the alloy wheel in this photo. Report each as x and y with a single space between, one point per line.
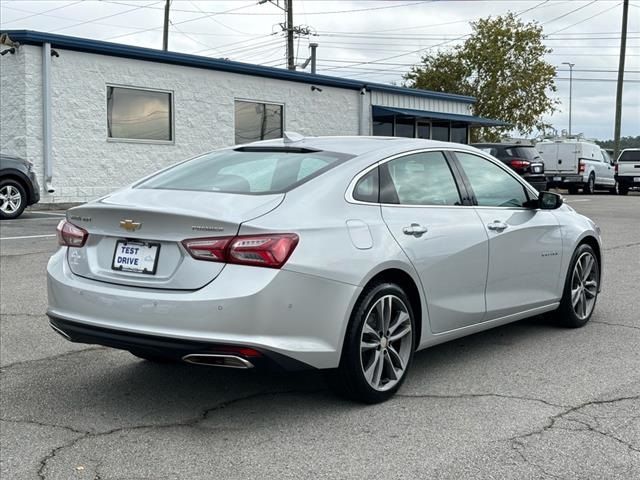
386 342
584 285
10 199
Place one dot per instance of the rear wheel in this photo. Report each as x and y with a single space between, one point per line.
13 199
590 186
580 289
378 347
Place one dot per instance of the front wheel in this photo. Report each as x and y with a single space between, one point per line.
378 347
581 288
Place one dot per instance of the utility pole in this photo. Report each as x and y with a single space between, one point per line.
571 65
313 47
290 56
165 31
623 48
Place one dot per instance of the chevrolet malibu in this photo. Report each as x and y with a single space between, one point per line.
346 254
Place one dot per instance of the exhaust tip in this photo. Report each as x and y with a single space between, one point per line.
217 360
60 332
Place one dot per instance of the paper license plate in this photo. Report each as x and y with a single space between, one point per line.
537 169
557 179
136 257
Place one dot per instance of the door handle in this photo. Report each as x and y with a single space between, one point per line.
497 225
414 229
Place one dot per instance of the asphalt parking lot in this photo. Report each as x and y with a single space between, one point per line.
527 400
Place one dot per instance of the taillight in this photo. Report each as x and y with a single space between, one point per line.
615 168
519 164
70 235
266 250
581 166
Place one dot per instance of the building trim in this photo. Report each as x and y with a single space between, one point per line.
471 120
30 37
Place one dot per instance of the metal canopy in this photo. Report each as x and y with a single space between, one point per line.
471 120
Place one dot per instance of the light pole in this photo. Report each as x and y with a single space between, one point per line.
571 65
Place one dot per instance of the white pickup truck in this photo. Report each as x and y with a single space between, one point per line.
575 164
628 170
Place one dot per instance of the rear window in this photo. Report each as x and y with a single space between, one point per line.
630 156
528 153
248 171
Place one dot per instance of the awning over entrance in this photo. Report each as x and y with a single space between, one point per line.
470 120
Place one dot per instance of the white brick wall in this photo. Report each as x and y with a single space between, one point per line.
87 166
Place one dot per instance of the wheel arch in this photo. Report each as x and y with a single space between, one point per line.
19 177
411 287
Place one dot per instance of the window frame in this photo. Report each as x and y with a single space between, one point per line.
172 122
453 167
263 102
529 192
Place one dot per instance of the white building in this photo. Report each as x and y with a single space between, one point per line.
94 116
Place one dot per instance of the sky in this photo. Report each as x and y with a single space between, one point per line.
370 40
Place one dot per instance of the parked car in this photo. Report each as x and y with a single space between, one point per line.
575 164
338 253
627 170
523 159
18 186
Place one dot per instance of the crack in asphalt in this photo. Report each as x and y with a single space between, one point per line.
617 247
8 366
481 395
615 324
188 422
518 445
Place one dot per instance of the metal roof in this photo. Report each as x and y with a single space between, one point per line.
454 117
30 37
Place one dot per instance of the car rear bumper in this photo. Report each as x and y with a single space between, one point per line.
301 317
629 180
564 179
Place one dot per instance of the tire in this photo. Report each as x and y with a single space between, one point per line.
568 315
13 199
622 189
373 366
153 357
590 187
615 190
572 189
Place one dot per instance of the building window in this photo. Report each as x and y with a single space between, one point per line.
383 126
139 115
405 127
459 133
440 131
257 121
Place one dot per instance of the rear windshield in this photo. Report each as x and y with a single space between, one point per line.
528 153
630 156
248 172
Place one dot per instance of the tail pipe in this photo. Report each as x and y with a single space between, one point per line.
218 360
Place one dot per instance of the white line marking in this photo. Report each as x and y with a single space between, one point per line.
580 200
27 236
37 212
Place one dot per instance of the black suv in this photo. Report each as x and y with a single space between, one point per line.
523 159
18 186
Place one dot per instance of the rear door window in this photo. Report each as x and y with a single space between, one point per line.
420 179
629 156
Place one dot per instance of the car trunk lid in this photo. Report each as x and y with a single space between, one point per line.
156 221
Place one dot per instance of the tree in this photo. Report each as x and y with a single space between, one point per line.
625 142
502 65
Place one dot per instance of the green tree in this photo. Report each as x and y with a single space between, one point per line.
625 142
502 65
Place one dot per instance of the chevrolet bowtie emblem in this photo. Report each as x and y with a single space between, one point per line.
130 225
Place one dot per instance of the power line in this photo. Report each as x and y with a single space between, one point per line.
586 19
569 13
100 18
34 14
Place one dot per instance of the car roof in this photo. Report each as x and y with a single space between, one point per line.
355 145
503 145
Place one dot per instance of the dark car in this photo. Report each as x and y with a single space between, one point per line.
524 159
18 186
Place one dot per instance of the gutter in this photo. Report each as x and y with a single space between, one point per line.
46 118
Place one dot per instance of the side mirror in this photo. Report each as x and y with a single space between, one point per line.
549 201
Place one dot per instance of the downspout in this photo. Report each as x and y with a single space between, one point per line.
46 118
364 112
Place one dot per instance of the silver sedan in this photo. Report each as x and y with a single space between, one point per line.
340 253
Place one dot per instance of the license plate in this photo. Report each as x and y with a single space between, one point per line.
557 179
636 179
137 257
537 169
